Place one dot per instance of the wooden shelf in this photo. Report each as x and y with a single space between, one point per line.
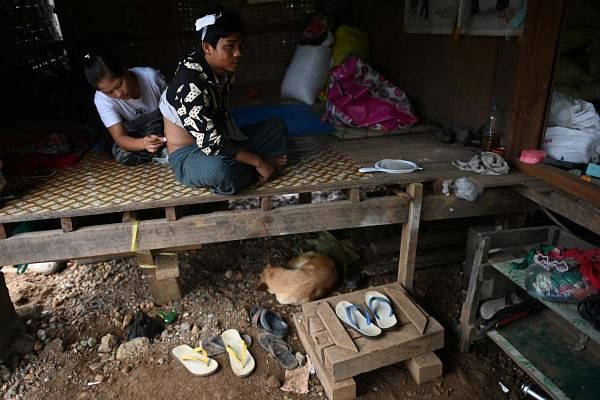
546 351
566 310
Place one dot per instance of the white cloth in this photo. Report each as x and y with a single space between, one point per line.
134 113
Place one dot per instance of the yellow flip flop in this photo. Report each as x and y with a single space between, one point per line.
241 361
195 360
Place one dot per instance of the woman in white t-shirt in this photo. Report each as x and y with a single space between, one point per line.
127 101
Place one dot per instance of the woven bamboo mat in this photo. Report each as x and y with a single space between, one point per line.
99 182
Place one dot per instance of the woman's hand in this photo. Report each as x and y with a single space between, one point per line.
152 143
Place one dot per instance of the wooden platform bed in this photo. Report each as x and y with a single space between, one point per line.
172 215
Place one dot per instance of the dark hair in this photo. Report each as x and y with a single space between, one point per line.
98 67
224 26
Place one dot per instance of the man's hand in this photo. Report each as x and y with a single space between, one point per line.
152 143
265 170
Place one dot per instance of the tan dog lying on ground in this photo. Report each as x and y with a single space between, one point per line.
307 277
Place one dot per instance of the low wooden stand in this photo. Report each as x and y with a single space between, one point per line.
339 353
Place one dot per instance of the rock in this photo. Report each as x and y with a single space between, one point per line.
132 347
126 369
273 382
185 327
42 335
92 342
107 343
195 331
301 358
186 314
98 378
4 373
127 320
228 274
55 346
23 344
37 346
160 361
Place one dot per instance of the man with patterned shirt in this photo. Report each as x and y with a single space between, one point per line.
206 148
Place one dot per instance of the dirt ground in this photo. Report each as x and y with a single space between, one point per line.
69 312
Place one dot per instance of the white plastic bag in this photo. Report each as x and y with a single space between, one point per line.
573 113
570 144
307 73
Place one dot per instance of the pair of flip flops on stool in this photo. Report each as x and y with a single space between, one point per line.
356 317
199 363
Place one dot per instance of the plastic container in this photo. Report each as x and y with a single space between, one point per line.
532 156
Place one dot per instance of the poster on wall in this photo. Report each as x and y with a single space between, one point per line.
430 16
492 17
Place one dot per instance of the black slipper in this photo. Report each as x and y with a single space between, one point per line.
279 349
268 321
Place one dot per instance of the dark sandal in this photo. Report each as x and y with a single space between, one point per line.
279 349
268 321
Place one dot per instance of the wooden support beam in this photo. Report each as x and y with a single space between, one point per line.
341 390
129 216
66 224
533 72
410 233
171 213
305 198
8 316
425 368
94 241
265 203
3 233
335 328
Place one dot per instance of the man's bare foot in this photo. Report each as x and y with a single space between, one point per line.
279 162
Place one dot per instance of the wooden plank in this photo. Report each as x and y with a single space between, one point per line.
112 239
170 213
491 202
580 212
424 368
321 341
341 390
334 327
66 224
405 304
396 345
408 241
534 67
564 180
265 203
471 303
200 229
315 324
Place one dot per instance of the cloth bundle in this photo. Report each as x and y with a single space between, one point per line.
487 163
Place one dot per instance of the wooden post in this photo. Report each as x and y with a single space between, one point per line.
265 203
164 287
3 234
425 367
66 224
410 233
305 198
129 216
469 309
170 213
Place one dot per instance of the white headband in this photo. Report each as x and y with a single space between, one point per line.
206 21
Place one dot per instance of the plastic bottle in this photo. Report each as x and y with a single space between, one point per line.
490 133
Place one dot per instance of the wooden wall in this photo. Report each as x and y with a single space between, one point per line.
450 81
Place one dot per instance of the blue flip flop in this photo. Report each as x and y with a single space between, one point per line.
356 318
381 308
